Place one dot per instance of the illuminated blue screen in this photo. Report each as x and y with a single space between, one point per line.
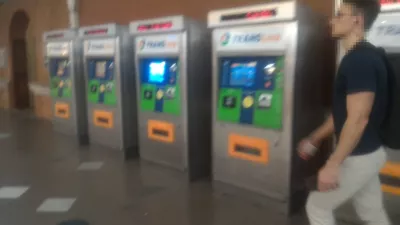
243 74
157 72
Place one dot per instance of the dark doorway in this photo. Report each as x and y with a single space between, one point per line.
19 90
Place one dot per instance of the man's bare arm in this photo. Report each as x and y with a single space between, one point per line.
324 131
359 106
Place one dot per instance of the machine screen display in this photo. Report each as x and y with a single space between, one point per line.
248 72
157 72
243 74
101 69
61 67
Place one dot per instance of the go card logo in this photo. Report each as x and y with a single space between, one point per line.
100 46
156 44
225 39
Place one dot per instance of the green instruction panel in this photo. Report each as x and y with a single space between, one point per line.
251 91
60 78
101 84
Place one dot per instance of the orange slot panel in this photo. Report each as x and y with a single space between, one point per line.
61 110
104 119
249 148
161 131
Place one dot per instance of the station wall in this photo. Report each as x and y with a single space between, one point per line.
47 15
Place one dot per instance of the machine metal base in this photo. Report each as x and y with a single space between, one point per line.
131 152
284 208
83 140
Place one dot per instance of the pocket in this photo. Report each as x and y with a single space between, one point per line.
382 155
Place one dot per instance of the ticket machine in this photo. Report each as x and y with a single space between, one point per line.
267 95
385 33
110 81
173 73
63 52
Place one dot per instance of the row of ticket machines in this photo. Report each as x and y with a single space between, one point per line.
232 98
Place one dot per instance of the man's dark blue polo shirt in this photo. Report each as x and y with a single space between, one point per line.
362 70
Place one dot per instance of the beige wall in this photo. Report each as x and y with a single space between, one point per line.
52 14
44 15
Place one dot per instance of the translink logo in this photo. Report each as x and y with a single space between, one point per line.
149 44
250 38
225 39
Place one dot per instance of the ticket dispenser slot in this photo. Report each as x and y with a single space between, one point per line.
161 131
248 148
103 119
62 110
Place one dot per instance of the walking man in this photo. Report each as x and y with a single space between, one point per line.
359 108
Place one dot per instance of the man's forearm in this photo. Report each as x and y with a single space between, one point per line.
324 131
348 140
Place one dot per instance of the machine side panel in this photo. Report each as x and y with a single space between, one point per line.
199 101
309 107
128 97
80 91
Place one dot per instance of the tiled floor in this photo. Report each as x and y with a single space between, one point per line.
114 192
90 166
56 205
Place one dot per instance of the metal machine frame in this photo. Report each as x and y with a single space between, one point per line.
185 142
69 114
277 173
113 126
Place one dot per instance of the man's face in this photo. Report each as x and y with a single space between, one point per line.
344 21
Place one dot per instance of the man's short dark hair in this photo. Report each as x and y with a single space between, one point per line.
368 8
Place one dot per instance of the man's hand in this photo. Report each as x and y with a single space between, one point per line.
307 148
328 178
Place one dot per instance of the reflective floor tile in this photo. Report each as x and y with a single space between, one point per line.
12 192
56 205
5 135
91 166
